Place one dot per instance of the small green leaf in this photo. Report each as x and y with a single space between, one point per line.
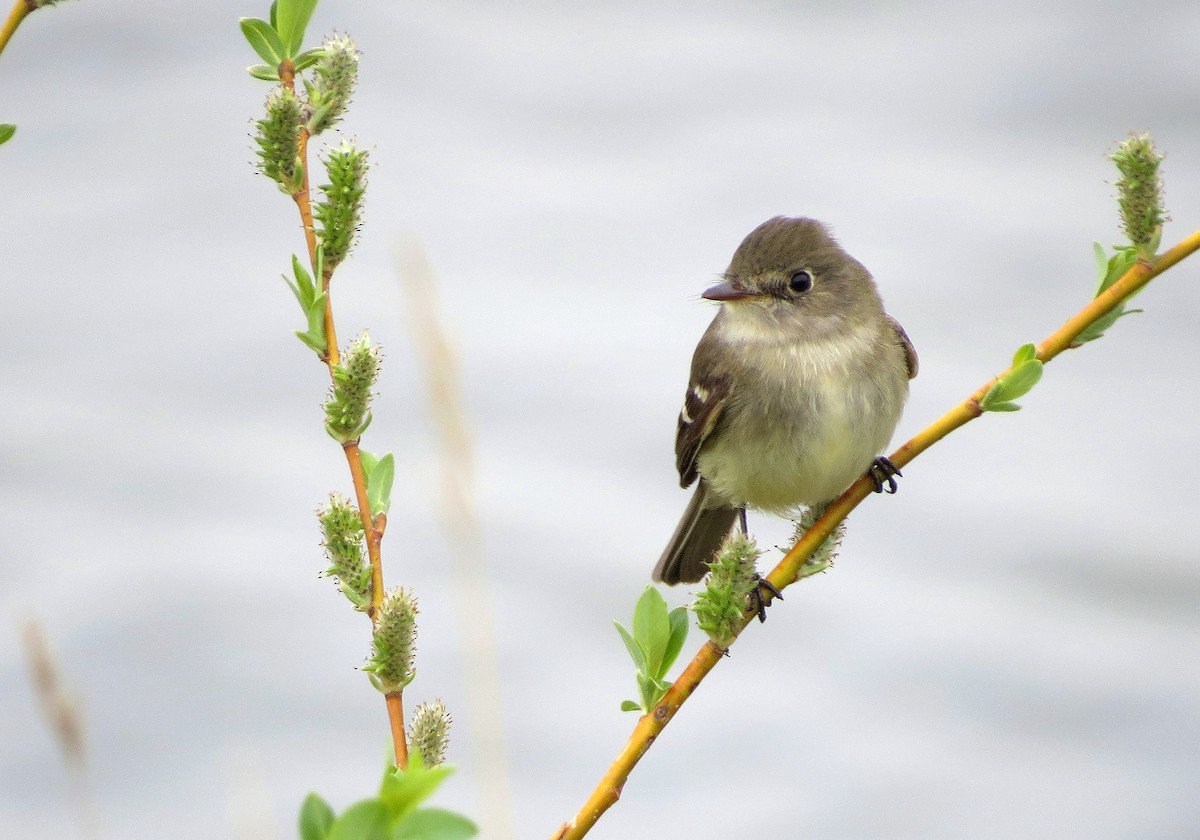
263 72
271 17
1021 380
434 824
292 17
303 279
1103 323
263 40
651 628
315 343
403 790
368 462
316 325
301 287
652 690
365 820
1121 261
630 706
635 651
1025 353
647 691
679 630
7 130
308 59
315 818
1101 261
379 485
1110 270
1015 384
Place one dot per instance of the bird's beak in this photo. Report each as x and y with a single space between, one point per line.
729 290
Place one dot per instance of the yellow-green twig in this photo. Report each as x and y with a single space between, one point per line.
608 791
15 15
372 528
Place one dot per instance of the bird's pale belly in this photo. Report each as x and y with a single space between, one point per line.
806 453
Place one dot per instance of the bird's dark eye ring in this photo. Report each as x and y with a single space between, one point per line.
801 282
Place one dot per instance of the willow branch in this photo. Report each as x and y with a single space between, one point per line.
17 14
372 528
608 791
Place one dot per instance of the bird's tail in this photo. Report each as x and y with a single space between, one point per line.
696 539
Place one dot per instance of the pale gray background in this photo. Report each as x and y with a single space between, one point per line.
1008 648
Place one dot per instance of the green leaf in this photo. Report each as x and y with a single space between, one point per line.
271 17
1015 384
292 17
368 462
635 651
679 630
307 59
647 691
264 72
316 326
1101 262
652 690
7 130
1120 262
303 280
365 820
315 343
1025 353
403 790
651 628
301 287
630 706
263 40
434 824
379 485
1102 324
1022 378
1110 270
315 818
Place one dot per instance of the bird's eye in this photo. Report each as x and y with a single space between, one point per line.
801 282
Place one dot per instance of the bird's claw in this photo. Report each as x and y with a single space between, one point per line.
883 472
759 602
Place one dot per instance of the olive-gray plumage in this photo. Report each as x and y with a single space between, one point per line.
796 387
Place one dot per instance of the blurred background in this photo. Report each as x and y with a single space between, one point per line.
1007 648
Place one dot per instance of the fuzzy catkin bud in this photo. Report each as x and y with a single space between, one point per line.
822 558
430 732
394 642
340 214
348 409
732 577
278 137
334 77
1139 191
342 529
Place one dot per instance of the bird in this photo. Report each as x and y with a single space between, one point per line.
795 389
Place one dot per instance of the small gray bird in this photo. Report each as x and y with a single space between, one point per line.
796 387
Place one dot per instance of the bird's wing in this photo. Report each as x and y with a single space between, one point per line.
702 406
910 352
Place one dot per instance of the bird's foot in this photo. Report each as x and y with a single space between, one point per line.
883 472
760 603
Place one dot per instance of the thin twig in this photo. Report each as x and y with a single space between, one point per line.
372 529
15 15
608 791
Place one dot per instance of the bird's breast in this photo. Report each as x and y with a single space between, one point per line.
804 419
